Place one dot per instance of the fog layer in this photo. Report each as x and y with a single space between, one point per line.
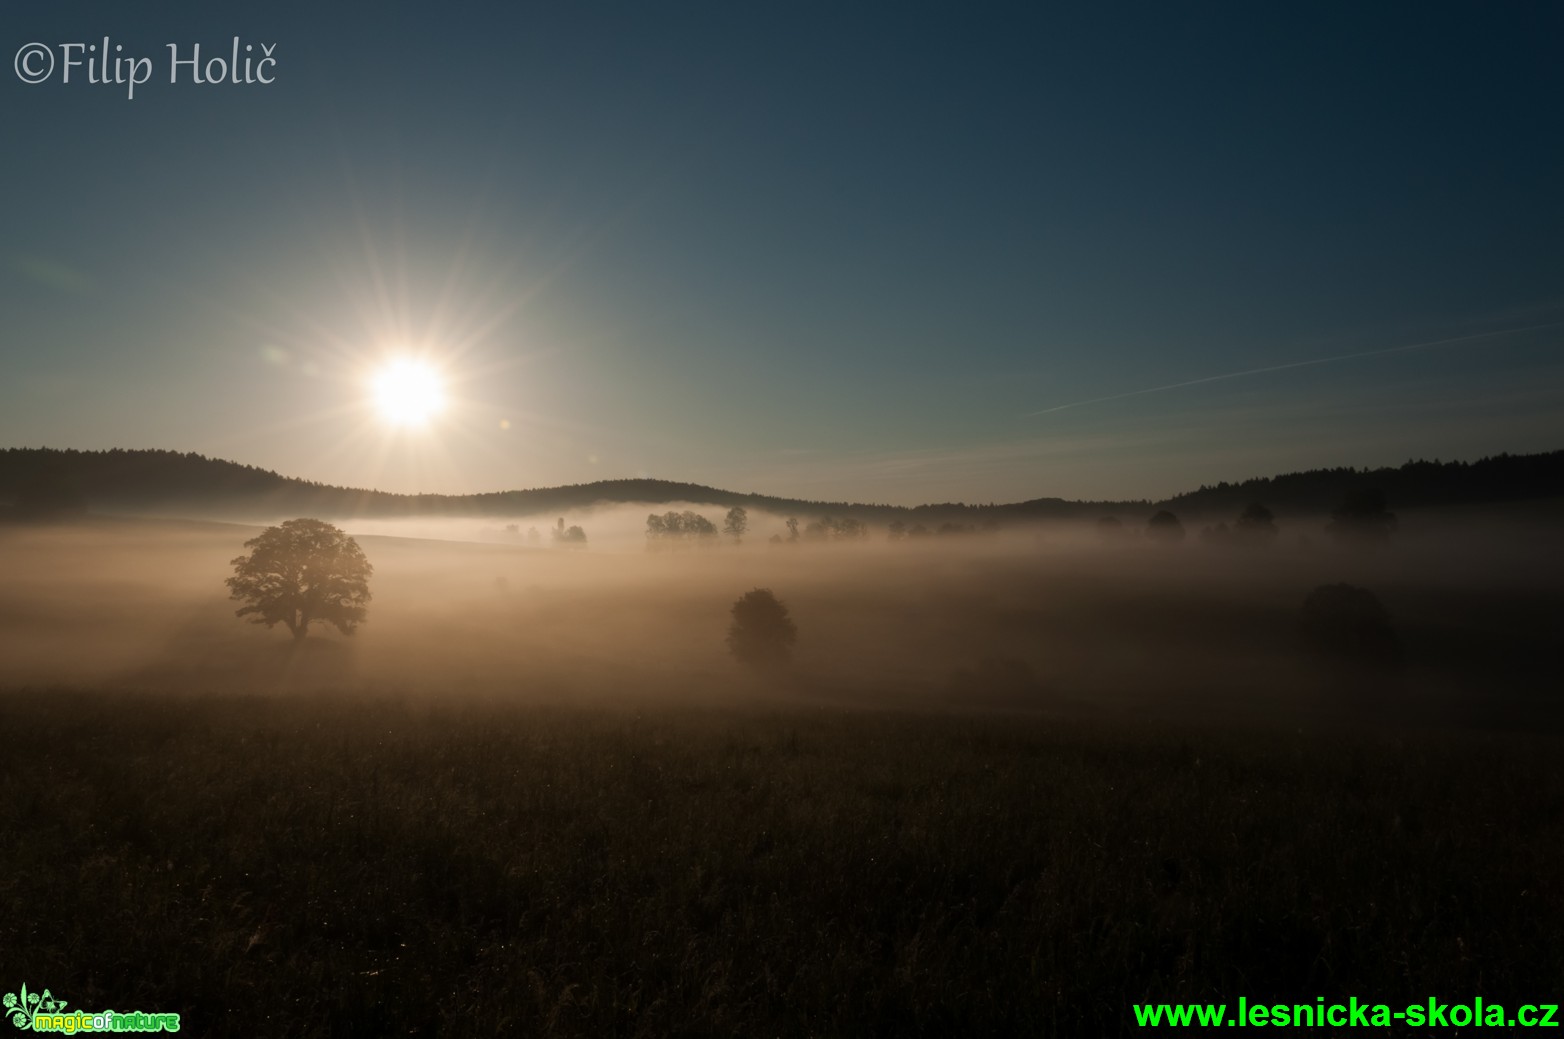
1067 618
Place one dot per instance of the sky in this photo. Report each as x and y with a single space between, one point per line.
895 253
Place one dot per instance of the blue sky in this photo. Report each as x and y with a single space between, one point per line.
832 251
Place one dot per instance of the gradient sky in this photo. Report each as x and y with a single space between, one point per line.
885 253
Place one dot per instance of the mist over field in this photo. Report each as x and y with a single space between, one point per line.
611 764
1011 780
1051 617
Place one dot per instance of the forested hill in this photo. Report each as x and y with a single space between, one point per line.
1502 478
47 481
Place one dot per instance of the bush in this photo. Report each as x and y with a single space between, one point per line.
1166 528
1256 526
762 633
1362 519
1345 624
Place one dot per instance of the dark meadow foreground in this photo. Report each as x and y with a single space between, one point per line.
1009 787
354 866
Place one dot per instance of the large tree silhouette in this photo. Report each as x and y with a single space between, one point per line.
301 572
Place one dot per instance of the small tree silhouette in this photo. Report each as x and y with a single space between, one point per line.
1345 624
762 634
568 537
736 524
305 570
673 529
1362 519
1166 528
1256 525
829 528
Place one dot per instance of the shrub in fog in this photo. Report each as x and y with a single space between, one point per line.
1345 624
568 537
1362 519
762 634
1256 526
1165 527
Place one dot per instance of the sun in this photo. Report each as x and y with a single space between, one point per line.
408 392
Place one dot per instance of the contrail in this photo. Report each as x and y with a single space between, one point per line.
1296 364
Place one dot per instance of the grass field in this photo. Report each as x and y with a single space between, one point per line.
354 866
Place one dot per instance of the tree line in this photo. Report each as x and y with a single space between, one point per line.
44 481
1362 518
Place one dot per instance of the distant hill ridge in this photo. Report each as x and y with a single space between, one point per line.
168 482
1414 484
